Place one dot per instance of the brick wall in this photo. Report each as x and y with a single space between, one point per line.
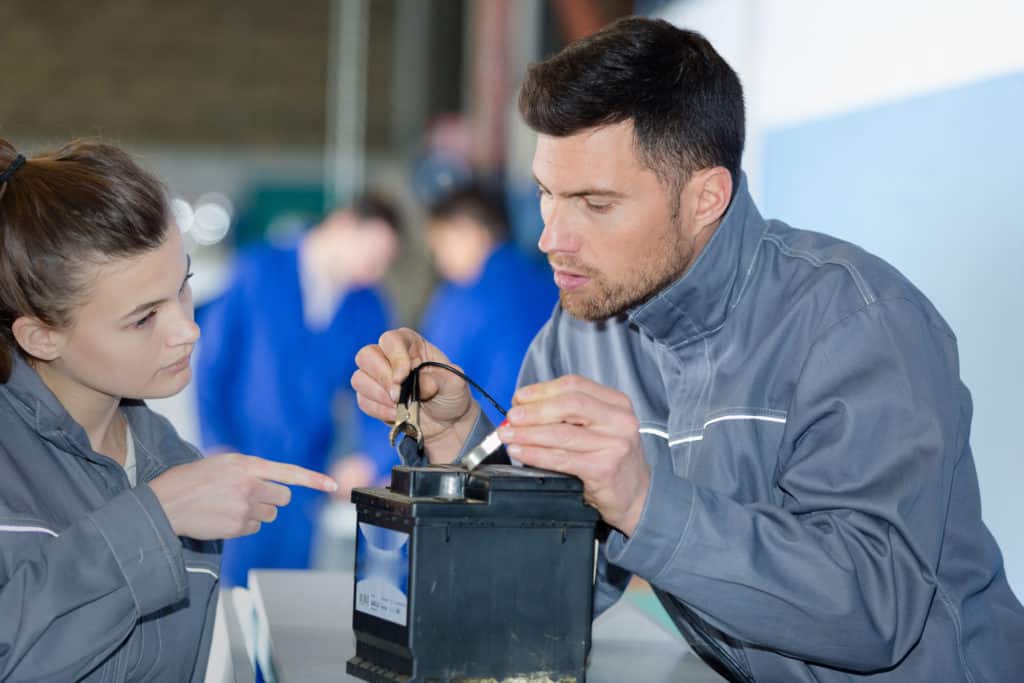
171 73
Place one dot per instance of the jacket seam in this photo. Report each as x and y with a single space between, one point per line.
165 551
162 465
874 304
957 628
132 667
862 287
750 270
682 536
131 588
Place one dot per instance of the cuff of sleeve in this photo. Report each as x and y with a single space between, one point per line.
662 527
413 456
146 549
481 428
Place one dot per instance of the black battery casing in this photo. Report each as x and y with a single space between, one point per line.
499 580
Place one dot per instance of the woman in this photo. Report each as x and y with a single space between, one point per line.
109 522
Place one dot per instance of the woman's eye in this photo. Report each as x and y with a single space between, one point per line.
142 322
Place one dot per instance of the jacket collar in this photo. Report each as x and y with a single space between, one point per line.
699 301
34 401
41 408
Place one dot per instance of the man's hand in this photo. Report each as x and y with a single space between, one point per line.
576 426
229 495
447 410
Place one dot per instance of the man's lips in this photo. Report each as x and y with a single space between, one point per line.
568 280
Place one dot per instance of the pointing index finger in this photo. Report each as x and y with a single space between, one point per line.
293 475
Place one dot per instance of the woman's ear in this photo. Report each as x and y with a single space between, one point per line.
38 339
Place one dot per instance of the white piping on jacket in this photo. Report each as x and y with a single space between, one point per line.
202 570
28 529
698 437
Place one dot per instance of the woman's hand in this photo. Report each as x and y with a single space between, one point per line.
230 495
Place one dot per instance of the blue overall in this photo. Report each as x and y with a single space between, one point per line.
267 385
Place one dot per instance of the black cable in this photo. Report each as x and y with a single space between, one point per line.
416 389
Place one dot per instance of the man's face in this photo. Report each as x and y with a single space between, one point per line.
609 232
134 335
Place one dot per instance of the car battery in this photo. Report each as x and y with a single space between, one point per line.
473 575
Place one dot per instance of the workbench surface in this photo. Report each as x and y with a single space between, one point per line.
304 635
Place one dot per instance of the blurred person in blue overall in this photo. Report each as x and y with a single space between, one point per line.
276 358
493 298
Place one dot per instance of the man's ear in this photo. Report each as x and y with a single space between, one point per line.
714 192
38 339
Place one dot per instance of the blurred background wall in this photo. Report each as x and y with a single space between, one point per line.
895 125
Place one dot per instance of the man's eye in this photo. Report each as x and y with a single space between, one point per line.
598 208
142 322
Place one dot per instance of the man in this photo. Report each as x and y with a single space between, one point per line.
274 357
493 298
770 419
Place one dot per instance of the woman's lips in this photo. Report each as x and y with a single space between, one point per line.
567 281
178 366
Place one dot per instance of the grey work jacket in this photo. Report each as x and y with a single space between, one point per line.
813 513
94 585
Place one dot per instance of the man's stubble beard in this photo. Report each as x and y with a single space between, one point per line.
606 299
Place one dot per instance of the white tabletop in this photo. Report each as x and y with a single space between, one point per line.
304 634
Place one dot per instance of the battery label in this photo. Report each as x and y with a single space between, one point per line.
382 573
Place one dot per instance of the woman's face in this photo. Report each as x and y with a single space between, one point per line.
134 335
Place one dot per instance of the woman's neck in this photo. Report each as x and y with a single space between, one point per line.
96 412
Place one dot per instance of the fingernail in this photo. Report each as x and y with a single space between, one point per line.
332 485
523 394
516 414
513 449
506 433
394 392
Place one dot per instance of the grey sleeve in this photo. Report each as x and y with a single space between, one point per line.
203 653
842 571
67 603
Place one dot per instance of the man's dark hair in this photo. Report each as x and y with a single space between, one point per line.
478 204
374 207
685 101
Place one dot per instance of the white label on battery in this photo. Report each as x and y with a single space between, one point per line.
382 573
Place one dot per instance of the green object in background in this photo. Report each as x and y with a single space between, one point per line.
276 212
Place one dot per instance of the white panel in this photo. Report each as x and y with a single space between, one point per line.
820 58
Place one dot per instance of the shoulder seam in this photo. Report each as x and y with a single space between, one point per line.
815 260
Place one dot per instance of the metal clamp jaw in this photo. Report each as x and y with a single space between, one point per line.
407 420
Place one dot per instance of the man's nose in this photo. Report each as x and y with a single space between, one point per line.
558 234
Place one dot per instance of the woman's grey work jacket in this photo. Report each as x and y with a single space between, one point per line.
813 513
94 585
